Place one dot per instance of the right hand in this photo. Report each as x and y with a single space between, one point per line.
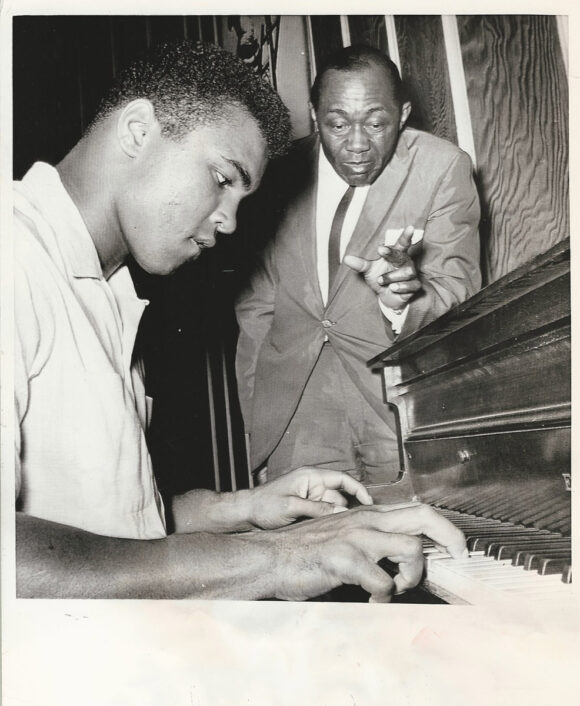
393 276
304 492
316 556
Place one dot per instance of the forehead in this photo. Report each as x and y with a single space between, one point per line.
238 130
234 136
366 85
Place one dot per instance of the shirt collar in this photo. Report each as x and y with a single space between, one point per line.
55 203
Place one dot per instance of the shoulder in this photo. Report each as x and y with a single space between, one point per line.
36 272
426 147
31 251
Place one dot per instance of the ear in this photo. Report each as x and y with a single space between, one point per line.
134 125
405 112
313 116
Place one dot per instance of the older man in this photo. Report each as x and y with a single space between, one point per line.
320 303
182 137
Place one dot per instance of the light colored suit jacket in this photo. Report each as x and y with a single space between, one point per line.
283 322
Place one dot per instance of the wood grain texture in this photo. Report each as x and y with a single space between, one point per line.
368 29
326 35
424 70
518 98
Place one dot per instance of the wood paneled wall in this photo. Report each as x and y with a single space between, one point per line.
518 99
424 66
368 29
517 93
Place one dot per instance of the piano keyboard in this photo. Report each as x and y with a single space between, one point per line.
506 562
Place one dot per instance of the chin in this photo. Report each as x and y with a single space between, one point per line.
360 179
160 270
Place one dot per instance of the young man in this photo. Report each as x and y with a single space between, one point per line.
320 304
181 138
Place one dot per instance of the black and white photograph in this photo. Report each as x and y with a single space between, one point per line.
286 356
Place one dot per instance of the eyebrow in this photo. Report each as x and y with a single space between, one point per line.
244 176
374 109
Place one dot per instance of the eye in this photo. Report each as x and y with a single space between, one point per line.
339 127
375 126
222 180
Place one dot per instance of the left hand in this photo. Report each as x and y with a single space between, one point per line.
393 276
304 492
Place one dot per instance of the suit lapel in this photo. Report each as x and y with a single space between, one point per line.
377 208
302 218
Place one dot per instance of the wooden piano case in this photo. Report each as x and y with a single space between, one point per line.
483 397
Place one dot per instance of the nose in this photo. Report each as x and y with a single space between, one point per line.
225 216
358 140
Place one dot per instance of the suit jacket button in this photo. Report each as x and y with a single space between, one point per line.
327 323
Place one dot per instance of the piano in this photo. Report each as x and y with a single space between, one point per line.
482 397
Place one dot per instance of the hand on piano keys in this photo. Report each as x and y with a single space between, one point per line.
417 519
345 548
506 562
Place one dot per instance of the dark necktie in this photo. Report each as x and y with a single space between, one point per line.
335 231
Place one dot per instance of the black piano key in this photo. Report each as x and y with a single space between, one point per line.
553 565
545 549
507 549
539 537
503 528
533 559
474 526
495 546
476 541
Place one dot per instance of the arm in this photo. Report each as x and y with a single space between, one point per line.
304 492
448 259
30 351
293 563
58 561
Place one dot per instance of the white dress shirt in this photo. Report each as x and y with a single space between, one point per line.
81 409
331 189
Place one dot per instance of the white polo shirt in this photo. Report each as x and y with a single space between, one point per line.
81 454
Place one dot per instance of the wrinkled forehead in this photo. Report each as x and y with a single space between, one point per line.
370 78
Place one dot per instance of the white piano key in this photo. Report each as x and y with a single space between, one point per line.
486 585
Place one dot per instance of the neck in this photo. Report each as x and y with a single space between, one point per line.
86 174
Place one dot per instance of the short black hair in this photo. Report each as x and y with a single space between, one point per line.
353 58
192 84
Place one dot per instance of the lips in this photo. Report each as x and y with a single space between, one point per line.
359 167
